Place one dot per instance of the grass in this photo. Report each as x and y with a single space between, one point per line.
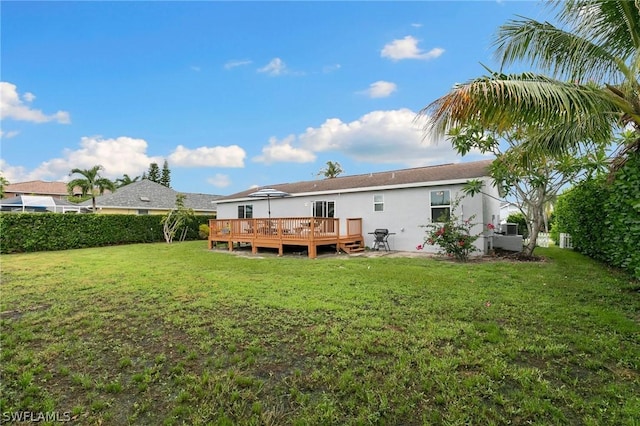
176 334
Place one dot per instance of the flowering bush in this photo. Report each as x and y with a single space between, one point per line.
453 236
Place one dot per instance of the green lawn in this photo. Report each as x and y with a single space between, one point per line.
176 334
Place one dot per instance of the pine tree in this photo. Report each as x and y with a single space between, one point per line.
154 173
165 179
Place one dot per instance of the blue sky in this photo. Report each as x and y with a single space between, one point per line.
233 94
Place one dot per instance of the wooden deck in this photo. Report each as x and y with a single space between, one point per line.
311 232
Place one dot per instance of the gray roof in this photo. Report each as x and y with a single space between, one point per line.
149 195
428 175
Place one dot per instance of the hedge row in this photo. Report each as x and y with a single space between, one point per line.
603 217
28 232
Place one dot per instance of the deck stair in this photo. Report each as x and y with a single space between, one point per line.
351 247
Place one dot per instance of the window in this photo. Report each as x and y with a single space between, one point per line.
378 203
143 211
440 206
245 211
324 208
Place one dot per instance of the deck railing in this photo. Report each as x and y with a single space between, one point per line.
311 232
279 228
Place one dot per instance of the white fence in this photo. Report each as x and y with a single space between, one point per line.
542 241
566 241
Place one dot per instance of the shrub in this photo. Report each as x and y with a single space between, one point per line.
28 232
453 236
603 217
203 231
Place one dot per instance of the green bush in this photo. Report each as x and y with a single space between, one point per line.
603 217
28 232
204 231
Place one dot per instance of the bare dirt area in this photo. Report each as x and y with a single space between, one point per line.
324 253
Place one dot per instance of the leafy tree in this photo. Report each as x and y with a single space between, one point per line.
533 180
125 180
176 219
3 183
154 173
91 183
593 61
332 170
165 178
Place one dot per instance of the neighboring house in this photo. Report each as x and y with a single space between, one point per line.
57 190
508 208
402 201
148 197
39 204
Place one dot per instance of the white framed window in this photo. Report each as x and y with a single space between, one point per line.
143 211
378 203
245 211
440 205
323 208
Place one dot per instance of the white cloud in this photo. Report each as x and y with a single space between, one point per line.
379 137
236 63
204 156
380 89
9 134
407 48
12 107
416 25
13 173
219 180
118 156
331 68
195 68
283 151
275 67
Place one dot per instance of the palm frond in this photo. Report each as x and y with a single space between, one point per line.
563 54
614 24
502 102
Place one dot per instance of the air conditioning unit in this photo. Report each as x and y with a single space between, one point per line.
509 229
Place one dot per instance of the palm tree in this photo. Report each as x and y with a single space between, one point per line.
592 91
332 170
125 180
91 183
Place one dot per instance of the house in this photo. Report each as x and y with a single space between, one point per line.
508 208
402 201
39 204
57 190
148 197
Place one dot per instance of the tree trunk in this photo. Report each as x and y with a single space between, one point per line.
536 224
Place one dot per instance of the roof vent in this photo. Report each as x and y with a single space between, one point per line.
144 199
393 175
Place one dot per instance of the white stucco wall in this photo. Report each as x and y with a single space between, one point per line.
406 210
